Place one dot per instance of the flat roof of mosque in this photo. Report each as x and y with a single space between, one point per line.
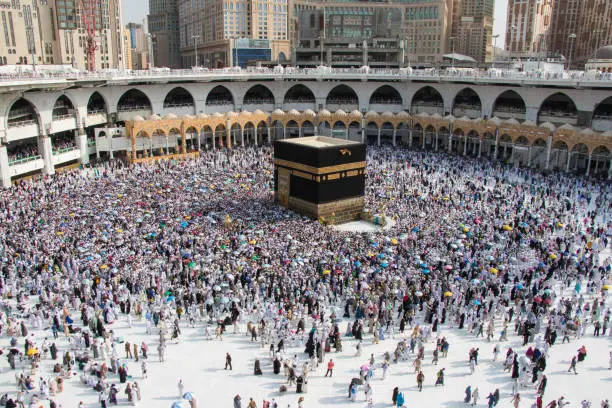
319 142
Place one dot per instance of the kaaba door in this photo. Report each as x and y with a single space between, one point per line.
284 177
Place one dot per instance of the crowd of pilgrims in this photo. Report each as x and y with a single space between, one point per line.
469 245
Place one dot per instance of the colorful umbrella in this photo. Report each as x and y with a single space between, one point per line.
448 294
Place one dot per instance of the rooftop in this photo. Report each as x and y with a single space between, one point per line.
319 142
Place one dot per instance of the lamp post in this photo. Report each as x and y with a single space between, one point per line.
597 34
453 51
572 37
540 49
195 48
494 46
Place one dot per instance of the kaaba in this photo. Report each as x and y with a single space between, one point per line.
321 177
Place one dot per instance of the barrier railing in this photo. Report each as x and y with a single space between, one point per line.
24 160
64 150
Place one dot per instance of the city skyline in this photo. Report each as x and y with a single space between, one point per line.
134 11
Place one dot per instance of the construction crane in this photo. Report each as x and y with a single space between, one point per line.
89 11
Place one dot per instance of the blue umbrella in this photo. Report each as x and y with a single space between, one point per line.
180 404
384 264
520 286
423 265
357 264
184 224
425 271
169 298
188 396
415 229
477 302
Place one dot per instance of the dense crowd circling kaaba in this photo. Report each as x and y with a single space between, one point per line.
469 245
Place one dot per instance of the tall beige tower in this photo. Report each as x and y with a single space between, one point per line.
472 28
528 27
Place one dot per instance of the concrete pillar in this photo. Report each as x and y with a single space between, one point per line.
548 150
199 144
394 136
423 140
569 157
589 165
214 145
450 141
256 136
436 143
81 143
269 136
410 137
284 132
531 113
347 133
464 145
378 140
167 146
609 170
5 174
242 137
228 134
479 148
46 151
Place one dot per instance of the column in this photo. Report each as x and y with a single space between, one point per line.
378 141
548 150
609 170
394 136
183 141
347 133
410 137
528 156
479 148
450 141
256 136
167 146
269 136
589 165
496 144
212 135
284 132
436 144
81 143
423 140
242 136
228 134
300 130
46 151
464 145
5 174
362 130
569 156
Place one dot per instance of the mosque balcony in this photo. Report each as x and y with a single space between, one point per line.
392 106
299 105
602 123
559 118
26 165
95 118
22 131
63 123
66 155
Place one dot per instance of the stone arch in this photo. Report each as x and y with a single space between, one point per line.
178 97
355 131
258 95
602 115
558 108
427 100
63 108
250 133
509 104
371 132
220 134
235 130
386 95
342 97
600 161
467 103
96 104
308 128
282 57
219 95
22 113
292 129
134 100
325 128
299 93
522 141
207 133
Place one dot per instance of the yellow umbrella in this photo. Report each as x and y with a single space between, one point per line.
446 198
493 271
448 294
466 229
31 352
394 241
119 230
59 233
326 272
605 287
105 266
252 242
72 214
559 225
507 227
552 256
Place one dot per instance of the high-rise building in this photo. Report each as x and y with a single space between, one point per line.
528 28
137 47
53 32
164 29
472 28
594 29
233 32
375 33
564 27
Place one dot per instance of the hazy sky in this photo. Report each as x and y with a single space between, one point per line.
136 10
